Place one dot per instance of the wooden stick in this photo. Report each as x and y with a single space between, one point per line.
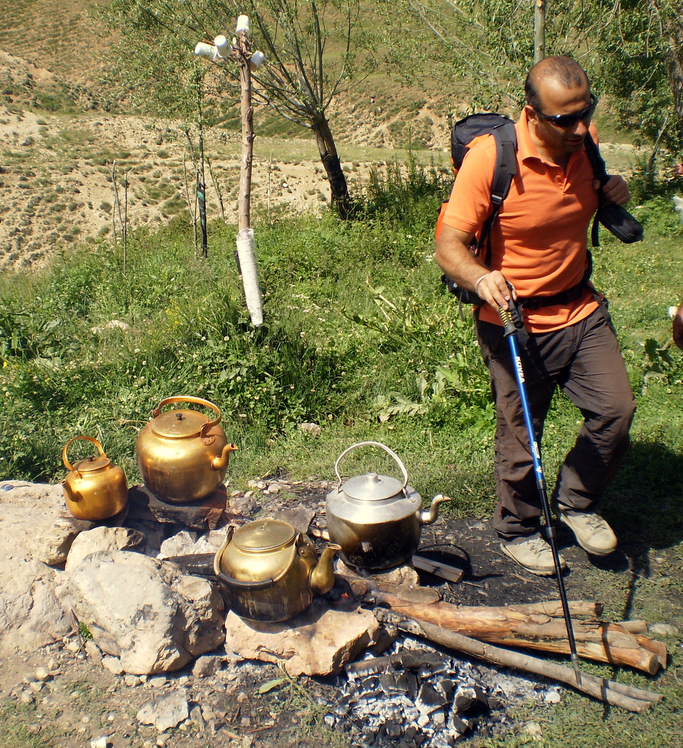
439 569
634 700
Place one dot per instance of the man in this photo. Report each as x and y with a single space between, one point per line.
539 246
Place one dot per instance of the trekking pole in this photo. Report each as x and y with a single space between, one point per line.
512 324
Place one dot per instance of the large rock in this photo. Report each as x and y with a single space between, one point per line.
146 612
36 532
102 539
320 641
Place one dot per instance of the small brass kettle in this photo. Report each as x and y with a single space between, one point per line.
94 488
377 519
270 572
182 455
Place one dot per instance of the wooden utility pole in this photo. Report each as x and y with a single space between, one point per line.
539 30
245 234
240 52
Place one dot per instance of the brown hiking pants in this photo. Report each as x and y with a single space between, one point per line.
585 362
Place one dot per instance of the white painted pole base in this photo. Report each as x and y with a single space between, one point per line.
252 290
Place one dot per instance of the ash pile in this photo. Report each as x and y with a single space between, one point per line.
417 697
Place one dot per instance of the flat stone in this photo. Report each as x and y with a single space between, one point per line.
319 641
166 711
197 515
298 517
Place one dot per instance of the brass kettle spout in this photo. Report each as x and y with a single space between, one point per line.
220 462
322 575
429 516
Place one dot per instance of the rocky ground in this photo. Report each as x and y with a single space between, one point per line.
69 694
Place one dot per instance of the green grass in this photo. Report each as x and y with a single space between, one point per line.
360 338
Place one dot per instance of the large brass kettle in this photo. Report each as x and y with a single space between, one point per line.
182 455
376 519
94 488
270 572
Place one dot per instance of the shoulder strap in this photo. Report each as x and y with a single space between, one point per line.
600 171
503 174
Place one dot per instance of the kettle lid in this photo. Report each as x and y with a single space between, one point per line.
90 464
372 487
264 535
176 424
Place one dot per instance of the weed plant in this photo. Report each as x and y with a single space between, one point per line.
358 332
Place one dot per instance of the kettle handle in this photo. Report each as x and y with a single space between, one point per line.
390 452
195 401
65 460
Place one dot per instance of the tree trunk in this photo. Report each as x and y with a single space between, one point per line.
674 59
330 160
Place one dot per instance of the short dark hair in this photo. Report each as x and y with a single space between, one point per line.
563 69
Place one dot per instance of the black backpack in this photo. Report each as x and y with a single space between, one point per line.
463 133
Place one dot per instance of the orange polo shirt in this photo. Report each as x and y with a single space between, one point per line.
539 241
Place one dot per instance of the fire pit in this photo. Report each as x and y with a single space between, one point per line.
417 696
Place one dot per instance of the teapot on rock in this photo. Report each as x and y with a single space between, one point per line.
270 572
94 488
182 455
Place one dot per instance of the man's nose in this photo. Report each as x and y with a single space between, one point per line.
580 128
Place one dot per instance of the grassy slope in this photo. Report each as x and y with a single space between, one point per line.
54 34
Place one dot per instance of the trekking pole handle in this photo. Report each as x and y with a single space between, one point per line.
509 327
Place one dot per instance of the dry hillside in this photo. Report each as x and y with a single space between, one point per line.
61 149
65 160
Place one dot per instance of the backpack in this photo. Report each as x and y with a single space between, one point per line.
464 132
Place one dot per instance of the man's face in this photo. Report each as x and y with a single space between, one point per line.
556 99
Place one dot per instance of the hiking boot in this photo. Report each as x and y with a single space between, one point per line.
592 533
533 554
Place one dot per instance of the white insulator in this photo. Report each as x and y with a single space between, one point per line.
206 50
242 24
222 45
256 59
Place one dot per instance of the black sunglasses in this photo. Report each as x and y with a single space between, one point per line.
569 120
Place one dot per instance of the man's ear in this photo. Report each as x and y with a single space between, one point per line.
531 113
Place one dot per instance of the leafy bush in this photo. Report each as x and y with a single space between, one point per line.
89 346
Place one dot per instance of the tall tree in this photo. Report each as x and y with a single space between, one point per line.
310 48
632 50
642 68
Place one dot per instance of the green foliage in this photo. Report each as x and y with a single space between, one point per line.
486 46
84 632
638 49
181 328
657 215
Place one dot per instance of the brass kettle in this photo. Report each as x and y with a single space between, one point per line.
270 572
377 519
94 488
182 455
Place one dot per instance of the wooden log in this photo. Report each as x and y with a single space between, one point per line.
536 629
617 694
